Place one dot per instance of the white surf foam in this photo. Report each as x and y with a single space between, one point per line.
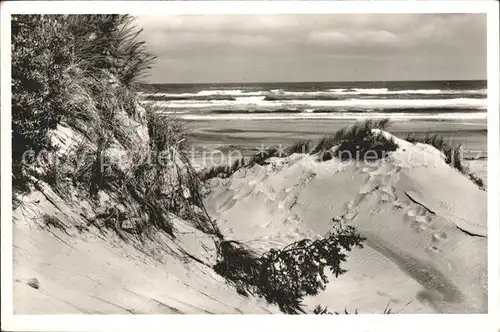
357 103
205 93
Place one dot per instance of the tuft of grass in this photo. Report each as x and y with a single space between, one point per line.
360 143
224 170
83 71
302 146
74 69
54 222
214 172
354 142
453 154
326 143
477 180
261 157
320 310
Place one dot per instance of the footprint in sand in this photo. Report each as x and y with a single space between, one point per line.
369 169
272 196
419 227
385 197
411 213
369 186
392 179
288 202
351 214
439 236
398 205
418 218
416 212
293 218
245 191
424 219
432 250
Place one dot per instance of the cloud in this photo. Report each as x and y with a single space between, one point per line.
287 44
331 37
354 38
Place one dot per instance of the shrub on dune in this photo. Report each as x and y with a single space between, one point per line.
285 276
82 71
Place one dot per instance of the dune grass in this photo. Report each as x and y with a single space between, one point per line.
453 154
69 68
82 71
353 142
320 310
301 146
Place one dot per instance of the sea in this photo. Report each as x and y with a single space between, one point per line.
322 100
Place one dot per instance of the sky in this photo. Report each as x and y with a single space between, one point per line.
329 47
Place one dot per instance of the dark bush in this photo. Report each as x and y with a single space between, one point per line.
40 55
283 277
70 67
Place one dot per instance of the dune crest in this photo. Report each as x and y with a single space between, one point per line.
425 225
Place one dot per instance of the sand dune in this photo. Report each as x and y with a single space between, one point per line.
425 225
95 272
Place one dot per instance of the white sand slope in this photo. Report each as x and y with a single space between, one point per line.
424 223
81 270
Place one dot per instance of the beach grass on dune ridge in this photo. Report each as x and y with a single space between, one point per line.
453 154
352 142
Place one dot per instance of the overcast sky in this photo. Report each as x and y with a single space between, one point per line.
330 47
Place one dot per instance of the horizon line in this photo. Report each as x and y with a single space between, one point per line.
356 81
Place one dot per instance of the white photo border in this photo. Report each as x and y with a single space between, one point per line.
417 322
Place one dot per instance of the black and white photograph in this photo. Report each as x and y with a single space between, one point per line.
271 163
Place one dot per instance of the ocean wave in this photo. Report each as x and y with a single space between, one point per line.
239 96
323 96
260 102
203 93
256 111
419 110
333 116
166 97
379 91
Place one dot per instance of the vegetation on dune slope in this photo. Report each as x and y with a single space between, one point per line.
356 142
353 142
453 154
285 276
81 71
